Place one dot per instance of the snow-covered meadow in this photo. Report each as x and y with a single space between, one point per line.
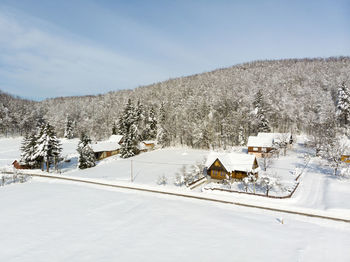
318 188
61 221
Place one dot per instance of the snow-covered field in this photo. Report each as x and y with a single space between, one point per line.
59 221
147 167
318 189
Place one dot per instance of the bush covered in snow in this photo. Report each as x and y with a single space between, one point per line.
15 178
162 180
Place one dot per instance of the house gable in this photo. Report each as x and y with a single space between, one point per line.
217 165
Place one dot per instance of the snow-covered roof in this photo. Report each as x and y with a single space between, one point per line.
111 144
232 161
260 141
115 138
277 137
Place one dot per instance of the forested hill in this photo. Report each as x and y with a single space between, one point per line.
218 107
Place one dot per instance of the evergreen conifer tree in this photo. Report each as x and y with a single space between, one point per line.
114 129
262 123
139 120
86 154
68 130
48 147
163 135
128 124
150 129
343 104
28 148
152 124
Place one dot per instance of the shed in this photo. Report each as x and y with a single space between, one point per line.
107 148
18 165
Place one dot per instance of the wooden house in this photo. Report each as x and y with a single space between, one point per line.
264 144
18 165
260 146
232 165
345 158
147 145
107 148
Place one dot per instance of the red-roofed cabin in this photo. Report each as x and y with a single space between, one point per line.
17 165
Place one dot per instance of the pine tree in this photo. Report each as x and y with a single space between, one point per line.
128 124
343 104
114 129
150 129
28 150
86 154
68 130
152 124
204 138
262 123
48 147
163 135
139 120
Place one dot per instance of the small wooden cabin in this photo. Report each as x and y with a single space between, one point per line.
260 146
107 148
147 145
18 165
232 165
345 158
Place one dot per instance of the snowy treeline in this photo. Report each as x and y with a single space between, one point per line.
214 109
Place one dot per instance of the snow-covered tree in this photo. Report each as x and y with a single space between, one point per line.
267 182
179 179
114 129
162 180
343 104
163 137
86 154
262 123
48 147
251 178
128 128
69 128
28 148
139 116
150 130
333 152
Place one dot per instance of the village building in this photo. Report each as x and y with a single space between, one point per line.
147 145
264 144
107 148
345 156
231 165
18 165
260 146
112 147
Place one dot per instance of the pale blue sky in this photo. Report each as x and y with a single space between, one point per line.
79 47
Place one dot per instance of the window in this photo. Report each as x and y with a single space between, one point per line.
255 149
264 149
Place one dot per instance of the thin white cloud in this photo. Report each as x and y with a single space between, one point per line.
38 63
